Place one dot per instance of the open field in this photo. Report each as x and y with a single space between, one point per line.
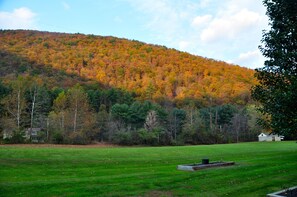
260 168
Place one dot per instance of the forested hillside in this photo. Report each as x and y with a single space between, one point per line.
73 88
152 72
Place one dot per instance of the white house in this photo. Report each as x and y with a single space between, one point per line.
36 135
263 137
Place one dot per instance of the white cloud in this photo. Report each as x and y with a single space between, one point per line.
228 26
161 16
66 5
255 5
201 20
223 30
251 59
165 18
249 54
20 18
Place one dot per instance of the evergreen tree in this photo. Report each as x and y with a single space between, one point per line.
4 91
101 127
278 78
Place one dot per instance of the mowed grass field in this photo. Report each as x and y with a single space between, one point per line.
260 168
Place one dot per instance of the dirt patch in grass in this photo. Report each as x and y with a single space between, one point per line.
97 145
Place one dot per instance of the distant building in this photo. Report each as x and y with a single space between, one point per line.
37 135
263 137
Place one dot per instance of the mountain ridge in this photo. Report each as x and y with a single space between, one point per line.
153 72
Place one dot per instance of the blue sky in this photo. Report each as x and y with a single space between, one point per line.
228 30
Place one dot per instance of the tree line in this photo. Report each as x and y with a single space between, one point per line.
86 114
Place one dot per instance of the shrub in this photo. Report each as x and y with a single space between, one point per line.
78 138
148 137
16 138
123 138
58 138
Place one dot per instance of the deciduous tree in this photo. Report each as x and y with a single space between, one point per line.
278 78
15 103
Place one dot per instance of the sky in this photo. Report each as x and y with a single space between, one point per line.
227 30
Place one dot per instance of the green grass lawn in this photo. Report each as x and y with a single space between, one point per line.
260 168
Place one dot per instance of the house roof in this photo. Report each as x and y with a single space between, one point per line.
262 135
34 129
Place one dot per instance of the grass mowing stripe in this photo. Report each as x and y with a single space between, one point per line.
260 168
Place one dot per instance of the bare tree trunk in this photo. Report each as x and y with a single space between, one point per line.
63 120
210 120
19 108
47 129
216 126
75 115
237 128
175 127
216 119
191 123
237 125
32 109
16 114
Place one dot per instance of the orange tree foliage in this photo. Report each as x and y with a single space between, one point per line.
152 72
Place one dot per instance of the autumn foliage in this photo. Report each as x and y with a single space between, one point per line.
152 72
